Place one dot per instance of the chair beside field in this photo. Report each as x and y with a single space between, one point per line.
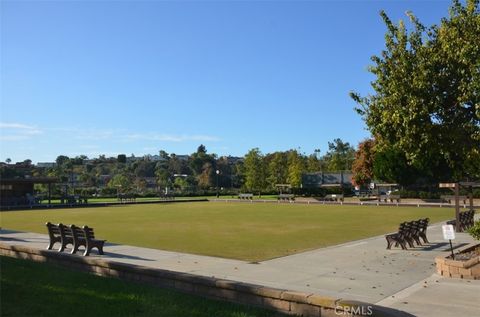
75 236
409 233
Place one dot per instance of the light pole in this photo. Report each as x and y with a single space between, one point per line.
217 172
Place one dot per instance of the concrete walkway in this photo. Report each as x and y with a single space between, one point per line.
360 270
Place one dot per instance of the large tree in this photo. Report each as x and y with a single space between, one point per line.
203 166
426 101
277 169
296 168
254 170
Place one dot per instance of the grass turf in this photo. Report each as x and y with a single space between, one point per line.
40 289
245 231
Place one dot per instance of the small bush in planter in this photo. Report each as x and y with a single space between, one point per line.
474 231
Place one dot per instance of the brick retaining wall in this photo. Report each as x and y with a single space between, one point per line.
469 269
284 301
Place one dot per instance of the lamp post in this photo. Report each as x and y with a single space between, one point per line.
217 172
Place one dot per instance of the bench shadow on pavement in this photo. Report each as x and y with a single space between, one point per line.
438 245
123 256
115 255
13 239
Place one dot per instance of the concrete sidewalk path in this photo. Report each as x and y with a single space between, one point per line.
360 270
438 296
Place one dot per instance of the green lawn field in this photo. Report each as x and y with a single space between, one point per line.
246 231
41 289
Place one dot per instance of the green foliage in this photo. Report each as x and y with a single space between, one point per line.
340 156
313 163
62 159
181 183
474 231
163 178
144 168
7 172
277 171
122 158
426 102
391 165
254 170
296 167
202 165
121 181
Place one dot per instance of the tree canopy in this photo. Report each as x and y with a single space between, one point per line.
362 167
426 101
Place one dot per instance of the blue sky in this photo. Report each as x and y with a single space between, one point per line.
111 77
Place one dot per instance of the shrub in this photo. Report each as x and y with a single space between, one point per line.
428 195
474 231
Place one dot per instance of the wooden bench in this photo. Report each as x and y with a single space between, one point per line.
333 197
85 237
399 238
54 234
286 197
390 198
451 198
409 233
75 236
466 219
247 196
59 233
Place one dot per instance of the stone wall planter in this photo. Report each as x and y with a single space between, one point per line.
459 268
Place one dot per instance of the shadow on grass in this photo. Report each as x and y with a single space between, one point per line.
42 289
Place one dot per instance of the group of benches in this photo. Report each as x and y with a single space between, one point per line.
390 198
286 197
126 198
451 198
73 200
409 233
333 197
466 219
75 236
245 196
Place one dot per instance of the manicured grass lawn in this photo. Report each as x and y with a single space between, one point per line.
244 231
40 289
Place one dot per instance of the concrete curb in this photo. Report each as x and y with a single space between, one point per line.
280 300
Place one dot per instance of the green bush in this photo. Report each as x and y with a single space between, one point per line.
476 193
429 195
474 231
